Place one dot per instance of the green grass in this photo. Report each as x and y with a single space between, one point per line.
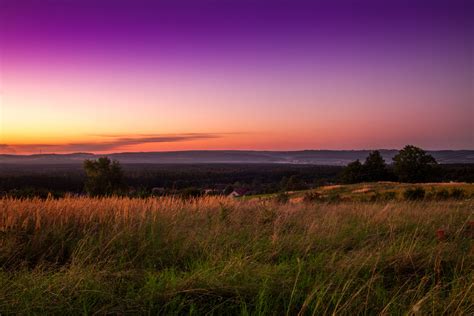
220 256
363 192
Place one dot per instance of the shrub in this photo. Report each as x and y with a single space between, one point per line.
334 198
413 194
442 194
282 198
311 197
383 196
390 195
457 193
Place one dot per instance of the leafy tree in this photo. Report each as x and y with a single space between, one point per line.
413 164
375 168
353 173
103 177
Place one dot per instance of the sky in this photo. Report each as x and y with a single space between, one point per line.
112 76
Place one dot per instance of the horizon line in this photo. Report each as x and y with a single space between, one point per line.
216 150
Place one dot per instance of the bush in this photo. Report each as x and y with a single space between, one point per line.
413 194
443 194
457 193
334 198
311 197
384 196
282 198
440 195
389 195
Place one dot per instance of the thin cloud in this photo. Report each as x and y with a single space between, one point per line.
4 148
112 142
167 135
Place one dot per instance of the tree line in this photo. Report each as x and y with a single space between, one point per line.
105 177
411 164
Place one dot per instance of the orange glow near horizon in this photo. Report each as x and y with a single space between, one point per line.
71 110
235 75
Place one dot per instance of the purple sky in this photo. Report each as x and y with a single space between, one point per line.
253 74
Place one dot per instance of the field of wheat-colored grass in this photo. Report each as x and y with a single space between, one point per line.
228 256
363 192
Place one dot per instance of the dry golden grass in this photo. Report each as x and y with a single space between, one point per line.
228 256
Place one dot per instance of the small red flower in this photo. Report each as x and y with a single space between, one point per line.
441 234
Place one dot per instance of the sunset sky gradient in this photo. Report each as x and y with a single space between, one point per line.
108 76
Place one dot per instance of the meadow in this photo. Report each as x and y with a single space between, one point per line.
217 255
380 191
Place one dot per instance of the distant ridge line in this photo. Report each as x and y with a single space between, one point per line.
315 157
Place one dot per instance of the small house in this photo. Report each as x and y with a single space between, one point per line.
238 193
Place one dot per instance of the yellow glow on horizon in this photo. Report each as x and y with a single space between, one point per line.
63 109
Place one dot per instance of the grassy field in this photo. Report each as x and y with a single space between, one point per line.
220 256
370 192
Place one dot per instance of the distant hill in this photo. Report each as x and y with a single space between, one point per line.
315 157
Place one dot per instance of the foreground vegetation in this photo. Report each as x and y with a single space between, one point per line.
217 255
378 191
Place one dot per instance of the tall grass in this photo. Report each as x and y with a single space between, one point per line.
223 256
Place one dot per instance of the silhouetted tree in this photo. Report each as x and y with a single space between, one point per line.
375 168
413 164
295 183
353 173
284 183
103 177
